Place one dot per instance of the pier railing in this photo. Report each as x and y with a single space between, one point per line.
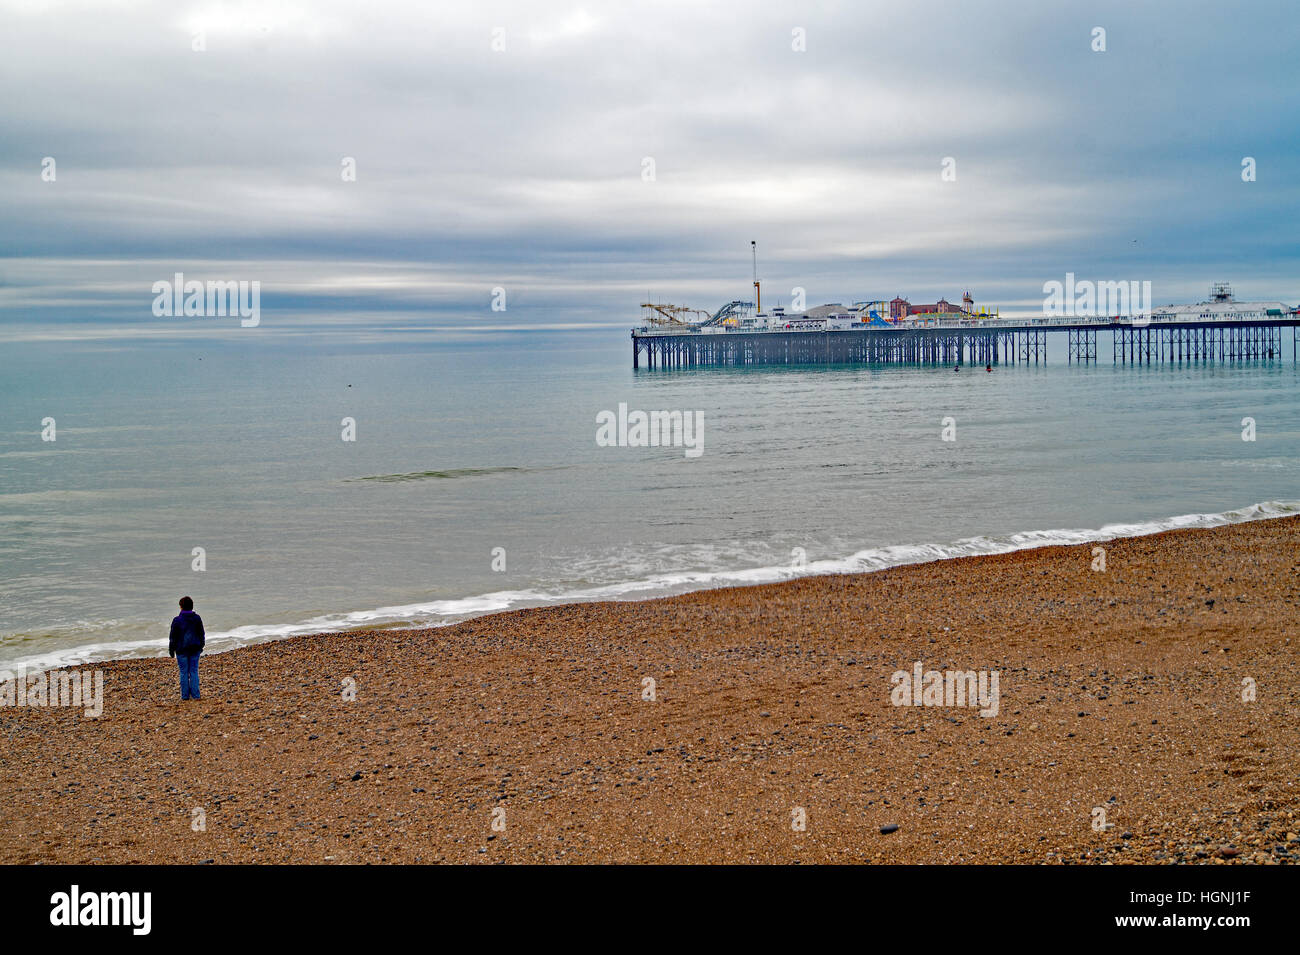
1135 340
1121 321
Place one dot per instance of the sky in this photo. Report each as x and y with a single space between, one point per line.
584 156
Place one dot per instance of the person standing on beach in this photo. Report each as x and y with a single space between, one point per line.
185 644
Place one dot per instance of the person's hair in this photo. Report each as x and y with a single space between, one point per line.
187 603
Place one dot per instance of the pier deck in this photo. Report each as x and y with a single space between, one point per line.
977 343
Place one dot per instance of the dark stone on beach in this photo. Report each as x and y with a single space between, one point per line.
886 830
1127 835
355 777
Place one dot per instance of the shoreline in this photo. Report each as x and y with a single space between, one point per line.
869 560
1121 690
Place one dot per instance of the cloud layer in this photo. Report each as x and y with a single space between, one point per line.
507 144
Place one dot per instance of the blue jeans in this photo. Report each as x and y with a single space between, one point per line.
189 667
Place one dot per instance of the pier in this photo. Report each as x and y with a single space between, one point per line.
974 342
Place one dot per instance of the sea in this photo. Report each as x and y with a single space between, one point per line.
216 463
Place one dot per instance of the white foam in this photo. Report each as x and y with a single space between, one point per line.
444 612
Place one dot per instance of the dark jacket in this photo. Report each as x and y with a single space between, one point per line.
187 636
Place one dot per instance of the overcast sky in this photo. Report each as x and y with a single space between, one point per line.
525 167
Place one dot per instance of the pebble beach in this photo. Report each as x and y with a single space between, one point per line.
1147 713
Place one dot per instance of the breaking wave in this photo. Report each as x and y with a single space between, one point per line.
424 475
436 613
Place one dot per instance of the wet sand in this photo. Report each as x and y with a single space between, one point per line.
1119 689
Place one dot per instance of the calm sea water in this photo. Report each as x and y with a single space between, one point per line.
233 444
